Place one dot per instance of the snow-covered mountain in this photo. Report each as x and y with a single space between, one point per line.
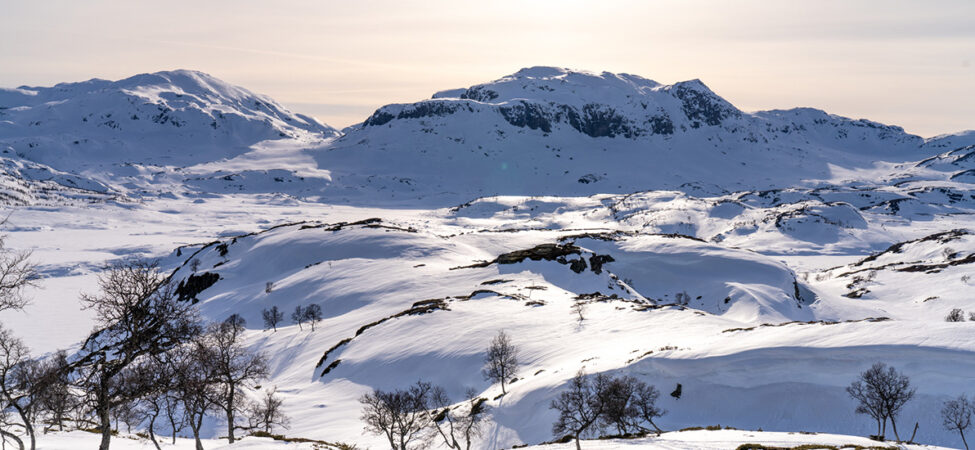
550 131
760 259
142 126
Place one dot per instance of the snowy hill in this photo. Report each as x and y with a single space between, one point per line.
110 130
550 131
760 259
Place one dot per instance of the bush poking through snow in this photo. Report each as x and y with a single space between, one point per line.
579 310
955 315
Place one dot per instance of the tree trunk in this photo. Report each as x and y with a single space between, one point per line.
230 413
172 423
656 428
894 424
914 434
195 426
25 419
152 435
962 433
578 445
104 418
230 425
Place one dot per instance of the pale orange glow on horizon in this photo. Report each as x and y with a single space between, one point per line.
905 63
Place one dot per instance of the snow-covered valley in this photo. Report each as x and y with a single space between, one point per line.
606 222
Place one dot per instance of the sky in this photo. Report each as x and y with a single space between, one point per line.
907 63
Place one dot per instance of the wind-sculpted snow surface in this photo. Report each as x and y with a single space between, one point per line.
741 332
605 222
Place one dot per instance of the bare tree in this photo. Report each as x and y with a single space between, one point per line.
15 386
645 403
449 423
194 386
399 415
173 410
619 410
235 322
267 413
580 407
956 414
866 391
579 309
897 391
298 315
153 378
56 397
501 361
272 317
882 393
313 314
16 273
138 314
233 365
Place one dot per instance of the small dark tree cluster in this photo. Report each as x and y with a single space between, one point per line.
311 314
592 405
149 361
881 393
408 416
457 425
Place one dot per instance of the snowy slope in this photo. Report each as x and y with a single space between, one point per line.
551 131
110 130
760 259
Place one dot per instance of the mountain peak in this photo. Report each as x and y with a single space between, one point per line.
177 117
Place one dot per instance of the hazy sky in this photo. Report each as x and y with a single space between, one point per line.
905 63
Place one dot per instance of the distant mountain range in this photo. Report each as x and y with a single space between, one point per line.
539 131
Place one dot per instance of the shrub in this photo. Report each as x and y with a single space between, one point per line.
956 315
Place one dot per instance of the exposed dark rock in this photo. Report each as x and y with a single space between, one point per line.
661 125
524 114
702 106
548 252
480 94
189 288
597 261
578 265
